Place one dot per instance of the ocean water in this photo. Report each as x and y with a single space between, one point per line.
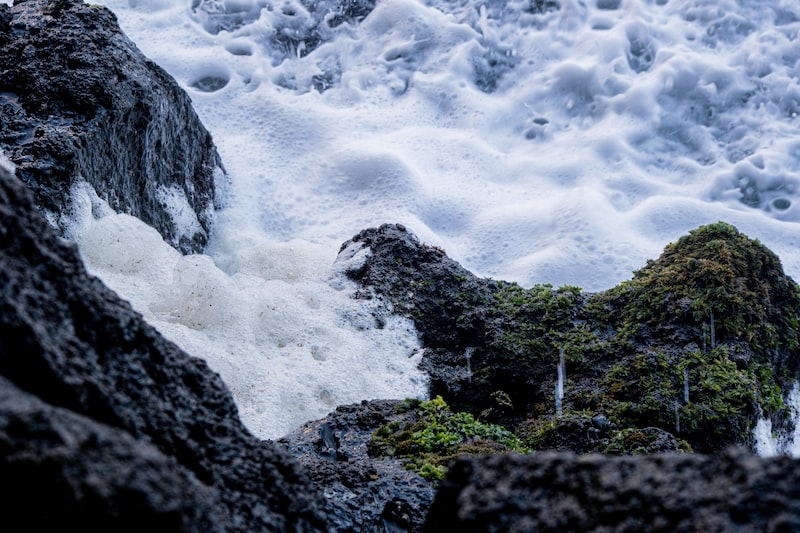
541 141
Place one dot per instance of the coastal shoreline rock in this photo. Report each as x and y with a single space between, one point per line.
78 100
363 492
700 343
548 491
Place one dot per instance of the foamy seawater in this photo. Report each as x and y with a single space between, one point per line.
532 143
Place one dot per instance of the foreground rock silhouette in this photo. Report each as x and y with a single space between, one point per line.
730 491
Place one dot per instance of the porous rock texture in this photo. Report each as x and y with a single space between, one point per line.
79 100
150 427
549 491
60 469
363 492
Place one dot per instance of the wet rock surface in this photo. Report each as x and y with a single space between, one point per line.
133 397
78 99
363 492
548 491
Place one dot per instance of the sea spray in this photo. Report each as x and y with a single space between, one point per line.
769 444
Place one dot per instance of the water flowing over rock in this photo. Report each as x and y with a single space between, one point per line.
78 99
84 377
732 491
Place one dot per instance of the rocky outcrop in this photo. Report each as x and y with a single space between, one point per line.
698 344
364 492
79 100
731 491
133 407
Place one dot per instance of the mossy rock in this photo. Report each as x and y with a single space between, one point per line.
644 441
431 437
711 287
700 343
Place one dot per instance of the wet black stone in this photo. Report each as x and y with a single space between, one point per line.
78 99
363 493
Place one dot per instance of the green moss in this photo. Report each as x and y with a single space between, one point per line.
722 284
637 441
428 441
650 390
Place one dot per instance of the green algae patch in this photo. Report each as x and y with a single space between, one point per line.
715 286
432 436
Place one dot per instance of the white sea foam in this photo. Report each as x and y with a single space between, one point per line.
278 323
564 146
768 444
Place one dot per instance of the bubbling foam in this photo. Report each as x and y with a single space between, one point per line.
278 323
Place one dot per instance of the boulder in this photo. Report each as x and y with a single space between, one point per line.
78 100
69 341
549 491
63 470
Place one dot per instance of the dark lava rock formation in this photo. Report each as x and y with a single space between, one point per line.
100 413
79 100
60 469
699 344
364 491
731 491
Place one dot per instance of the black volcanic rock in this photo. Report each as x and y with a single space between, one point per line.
548 491
363 493
78 99
68 340
62 470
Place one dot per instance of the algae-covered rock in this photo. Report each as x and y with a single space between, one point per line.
715 286
431 436
713 323
699 344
